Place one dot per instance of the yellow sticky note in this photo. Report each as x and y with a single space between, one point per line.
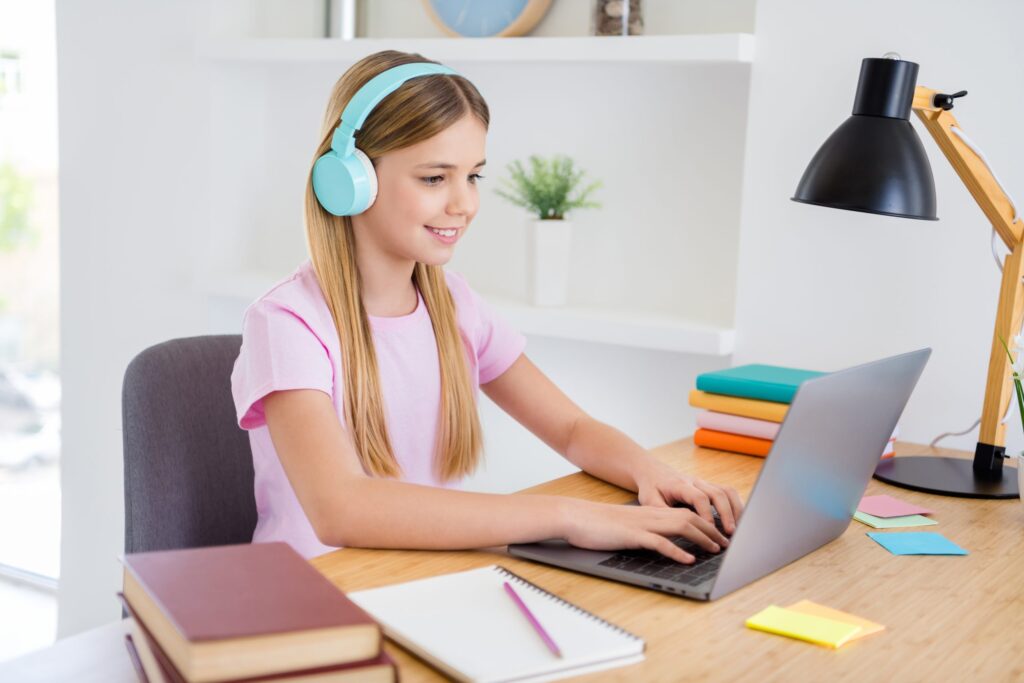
814 629
813 608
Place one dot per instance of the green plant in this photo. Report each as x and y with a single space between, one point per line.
546 188
15 201
1016 368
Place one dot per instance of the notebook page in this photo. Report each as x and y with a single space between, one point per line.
465 624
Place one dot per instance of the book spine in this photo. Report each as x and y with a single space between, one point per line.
723 441
735 424
746 407
745 388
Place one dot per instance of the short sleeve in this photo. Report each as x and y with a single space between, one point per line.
498 343
279 351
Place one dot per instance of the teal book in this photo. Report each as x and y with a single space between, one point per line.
763 382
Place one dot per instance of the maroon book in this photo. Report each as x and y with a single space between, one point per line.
239 611
133 654
379 668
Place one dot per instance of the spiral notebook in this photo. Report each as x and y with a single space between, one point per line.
467 626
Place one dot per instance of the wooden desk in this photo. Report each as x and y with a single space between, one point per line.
946 618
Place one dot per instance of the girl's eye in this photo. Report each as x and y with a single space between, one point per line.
435 179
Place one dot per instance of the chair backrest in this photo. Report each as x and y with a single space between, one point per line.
188 476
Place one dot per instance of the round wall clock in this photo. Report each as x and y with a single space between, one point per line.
483 18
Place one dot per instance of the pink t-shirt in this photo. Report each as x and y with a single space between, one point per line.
289 342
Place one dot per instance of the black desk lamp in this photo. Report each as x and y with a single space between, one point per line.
875 162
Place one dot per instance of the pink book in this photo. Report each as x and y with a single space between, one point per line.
749 426
736 424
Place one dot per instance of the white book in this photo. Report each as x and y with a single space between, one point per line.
466 625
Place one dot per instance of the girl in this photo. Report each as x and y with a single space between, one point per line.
358 374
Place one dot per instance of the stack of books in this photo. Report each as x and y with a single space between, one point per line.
254 612
744 407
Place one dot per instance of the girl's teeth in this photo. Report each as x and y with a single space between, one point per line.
446 233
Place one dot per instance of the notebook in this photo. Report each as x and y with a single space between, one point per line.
466 625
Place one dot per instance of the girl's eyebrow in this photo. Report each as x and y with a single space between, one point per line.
442 164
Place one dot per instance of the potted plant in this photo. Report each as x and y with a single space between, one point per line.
1017 366
545 191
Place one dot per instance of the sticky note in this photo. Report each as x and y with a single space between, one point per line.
916 543
892 522
814 609
809 627
887 506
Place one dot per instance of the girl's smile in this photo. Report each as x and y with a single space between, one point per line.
446 235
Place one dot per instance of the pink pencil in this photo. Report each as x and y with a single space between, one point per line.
532 619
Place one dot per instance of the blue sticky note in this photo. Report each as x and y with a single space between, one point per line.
916 543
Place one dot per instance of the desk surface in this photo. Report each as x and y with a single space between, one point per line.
946 618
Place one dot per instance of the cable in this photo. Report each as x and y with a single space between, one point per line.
940 437
974 148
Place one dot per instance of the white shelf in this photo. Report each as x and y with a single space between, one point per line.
660 331
704 48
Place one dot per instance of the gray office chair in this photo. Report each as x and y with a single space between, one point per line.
188 477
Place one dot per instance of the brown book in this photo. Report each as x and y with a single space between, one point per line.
133 654
243 611
156 666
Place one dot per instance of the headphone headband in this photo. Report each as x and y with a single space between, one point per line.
370 95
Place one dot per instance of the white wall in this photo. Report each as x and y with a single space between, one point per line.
132 131
825 289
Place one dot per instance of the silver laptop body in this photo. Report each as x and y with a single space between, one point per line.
805 495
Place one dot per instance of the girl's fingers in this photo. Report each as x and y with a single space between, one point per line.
662 545
704 533
722 504
734 498
689 493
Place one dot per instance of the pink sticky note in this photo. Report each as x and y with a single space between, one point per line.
887 506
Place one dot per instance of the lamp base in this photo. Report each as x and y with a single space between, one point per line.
946 477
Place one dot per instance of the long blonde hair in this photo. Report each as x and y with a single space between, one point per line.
419 109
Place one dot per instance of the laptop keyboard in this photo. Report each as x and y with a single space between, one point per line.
655 565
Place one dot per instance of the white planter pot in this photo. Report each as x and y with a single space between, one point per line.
1020 475
548 258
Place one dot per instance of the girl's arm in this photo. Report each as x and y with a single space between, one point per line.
348 508
525 393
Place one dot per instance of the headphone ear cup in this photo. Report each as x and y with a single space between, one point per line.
344 187
371 177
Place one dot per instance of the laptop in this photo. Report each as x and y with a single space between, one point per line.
805 495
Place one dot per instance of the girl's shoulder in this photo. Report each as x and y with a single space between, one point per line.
298 293
467 301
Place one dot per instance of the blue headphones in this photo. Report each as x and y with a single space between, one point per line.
344 181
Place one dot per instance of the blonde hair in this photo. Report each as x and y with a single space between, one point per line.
419 109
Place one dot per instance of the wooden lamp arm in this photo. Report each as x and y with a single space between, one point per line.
997 207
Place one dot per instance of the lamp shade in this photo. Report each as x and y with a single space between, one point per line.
875 161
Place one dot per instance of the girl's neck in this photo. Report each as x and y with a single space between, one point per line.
387 289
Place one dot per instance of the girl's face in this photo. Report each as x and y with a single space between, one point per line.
421 189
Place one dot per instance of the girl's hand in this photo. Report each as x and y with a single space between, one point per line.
659 485
602 526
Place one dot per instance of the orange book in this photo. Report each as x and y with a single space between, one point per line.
747 445
724 441
745 407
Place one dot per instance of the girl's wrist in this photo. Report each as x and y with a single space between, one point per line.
644 468
566 512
